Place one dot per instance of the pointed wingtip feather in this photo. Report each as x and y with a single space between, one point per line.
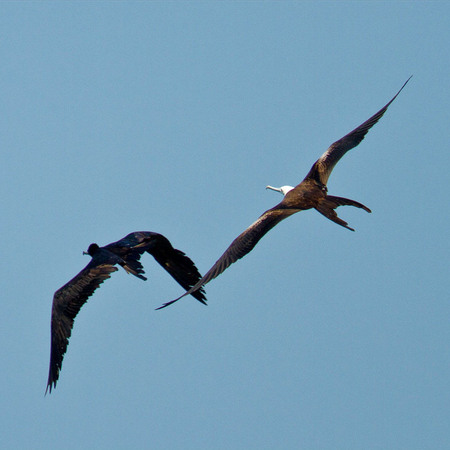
173 301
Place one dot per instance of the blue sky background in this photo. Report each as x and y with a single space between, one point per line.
173 117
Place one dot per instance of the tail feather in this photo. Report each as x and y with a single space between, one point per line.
133 265
330 203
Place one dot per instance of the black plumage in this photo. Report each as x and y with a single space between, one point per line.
310 193
69 299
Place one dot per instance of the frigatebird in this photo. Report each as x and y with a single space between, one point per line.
69 299
310 193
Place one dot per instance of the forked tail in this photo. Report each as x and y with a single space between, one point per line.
330 203
132 265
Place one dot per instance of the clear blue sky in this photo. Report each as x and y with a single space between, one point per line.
173 117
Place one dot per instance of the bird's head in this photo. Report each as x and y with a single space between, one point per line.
91 250
283 189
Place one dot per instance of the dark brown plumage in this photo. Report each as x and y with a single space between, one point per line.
69 299
310 193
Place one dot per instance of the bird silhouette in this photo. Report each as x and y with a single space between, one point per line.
310 193
68 300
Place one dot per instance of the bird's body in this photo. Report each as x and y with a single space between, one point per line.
312 192
306 195
69 299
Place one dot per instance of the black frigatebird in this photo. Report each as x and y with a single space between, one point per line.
69 299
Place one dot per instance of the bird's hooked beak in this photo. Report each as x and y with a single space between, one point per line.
283 189
274 189
85 253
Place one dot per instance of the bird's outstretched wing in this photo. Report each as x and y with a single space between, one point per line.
322 168
175 262
242 245
181 268
67 302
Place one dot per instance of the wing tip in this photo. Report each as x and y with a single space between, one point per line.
165 305
51 384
